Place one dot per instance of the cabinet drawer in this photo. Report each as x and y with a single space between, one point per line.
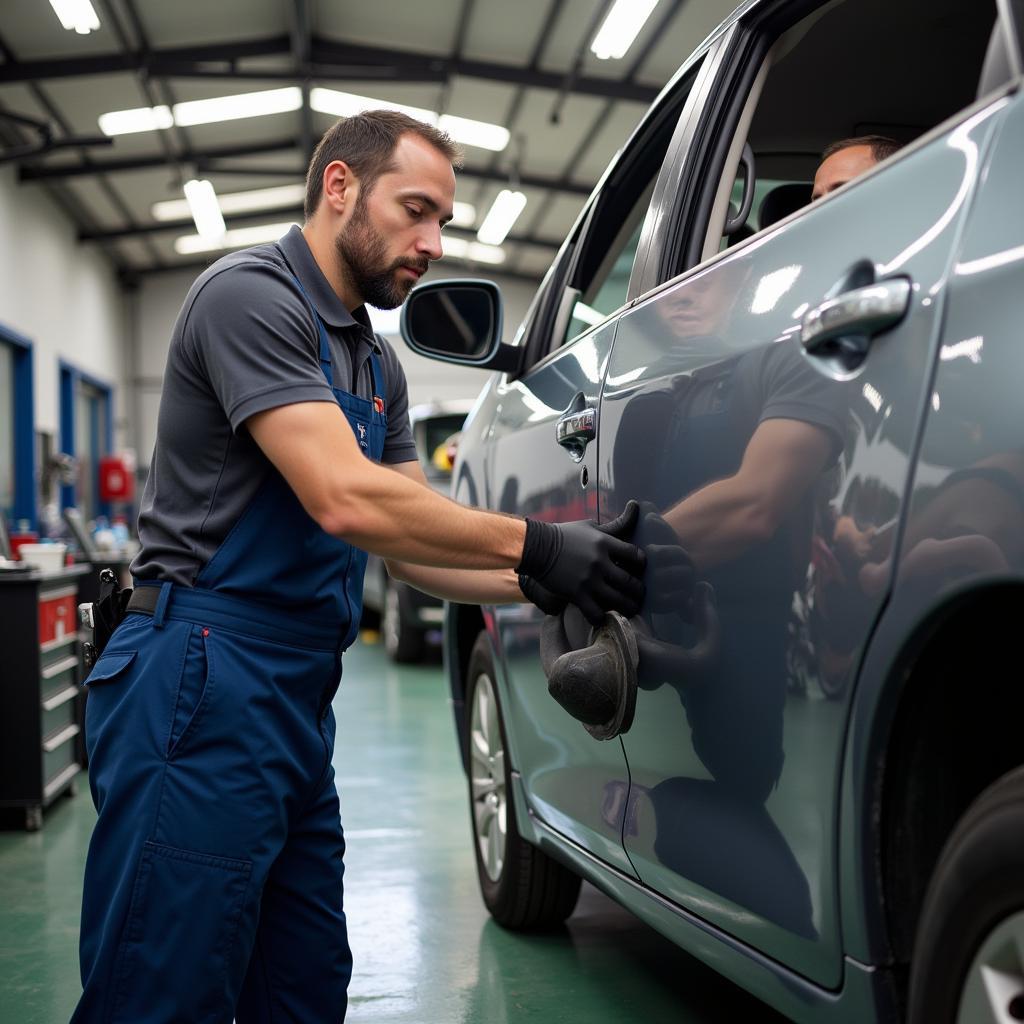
58 674
59 751
57 611
59 711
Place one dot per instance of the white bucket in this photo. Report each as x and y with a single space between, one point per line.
47 557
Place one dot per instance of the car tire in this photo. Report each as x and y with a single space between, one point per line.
522 887
968 958
403 640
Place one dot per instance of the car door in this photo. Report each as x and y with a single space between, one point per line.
782 471
542 451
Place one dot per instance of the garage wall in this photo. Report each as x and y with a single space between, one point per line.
63 296
156 306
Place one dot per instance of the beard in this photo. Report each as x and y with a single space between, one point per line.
363 253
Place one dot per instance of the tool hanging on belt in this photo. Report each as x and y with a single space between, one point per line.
103 616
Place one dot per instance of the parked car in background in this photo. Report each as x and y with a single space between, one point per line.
818 407
404 615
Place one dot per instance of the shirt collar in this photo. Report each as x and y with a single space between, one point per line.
323 297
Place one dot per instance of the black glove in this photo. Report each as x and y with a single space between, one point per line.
671 575
587 564
548 603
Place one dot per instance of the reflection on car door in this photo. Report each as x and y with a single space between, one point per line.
575 785
734 764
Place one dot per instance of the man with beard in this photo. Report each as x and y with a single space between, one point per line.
214 880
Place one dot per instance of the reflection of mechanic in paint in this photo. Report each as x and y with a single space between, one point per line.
748 436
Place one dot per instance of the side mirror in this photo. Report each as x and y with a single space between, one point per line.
458 321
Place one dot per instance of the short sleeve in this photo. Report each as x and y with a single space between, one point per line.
794 390
252 335
399 445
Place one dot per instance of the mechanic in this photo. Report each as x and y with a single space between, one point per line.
213 885
846 159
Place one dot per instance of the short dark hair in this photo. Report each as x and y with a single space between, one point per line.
366 142
881 146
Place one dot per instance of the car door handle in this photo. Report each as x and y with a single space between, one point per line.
854 317
575 430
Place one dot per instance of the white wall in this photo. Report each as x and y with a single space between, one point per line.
160 298
62 296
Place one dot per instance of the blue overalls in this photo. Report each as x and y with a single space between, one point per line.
213 886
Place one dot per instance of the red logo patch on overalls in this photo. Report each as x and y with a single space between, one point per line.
378 404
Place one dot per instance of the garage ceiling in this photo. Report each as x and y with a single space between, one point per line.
525 65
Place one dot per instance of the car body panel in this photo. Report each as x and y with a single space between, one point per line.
963 537
576 785
734 779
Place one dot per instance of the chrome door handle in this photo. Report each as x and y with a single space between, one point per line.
859 313
575 430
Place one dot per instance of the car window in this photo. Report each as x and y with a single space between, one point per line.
854 68
598 274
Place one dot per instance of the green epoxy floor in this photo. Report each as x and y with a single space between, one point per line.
425 950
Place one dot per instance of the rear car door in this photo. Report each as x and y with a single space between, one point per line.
783 471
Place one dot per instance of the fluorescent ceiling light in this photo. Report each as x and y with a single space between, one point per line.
202 201
221 108
621 26
77 15
237 202
502 215
236 238
231 108
463 215
141 119
477 252
482 134
276 198
462 129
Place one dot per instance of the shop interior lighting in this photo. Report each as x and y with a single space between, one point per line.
249 201
482 134
233 108
504 212
140 119
477 252
76 15
275 198
620 28
202 202
193 112
238 238
234 238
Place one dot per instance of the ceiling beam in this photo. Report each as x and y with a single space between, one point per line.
328 60
206 161
130 278
252 219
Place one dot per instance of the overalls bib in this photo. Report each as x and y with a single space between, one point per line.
213 885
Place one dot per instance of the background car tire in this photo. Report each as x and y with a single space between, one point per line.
403 641
973 898
531 891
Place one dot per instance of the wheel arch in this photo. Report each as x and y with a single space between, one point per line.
463 623
936 729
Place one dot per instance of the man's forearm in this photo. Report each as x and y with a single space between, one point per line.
467 586
395 518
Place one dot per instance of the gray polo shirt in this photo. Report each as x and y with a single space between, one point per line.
246 341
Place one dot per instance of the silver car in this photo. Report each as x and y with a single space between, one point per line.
803 760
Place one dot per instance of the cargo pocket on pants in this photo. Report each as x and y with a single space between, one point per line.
176 957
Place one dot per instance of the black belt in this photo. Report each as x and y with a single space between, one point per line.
143 600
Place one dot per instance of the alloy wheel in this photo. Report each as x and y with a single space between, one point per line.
993 991
487 778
